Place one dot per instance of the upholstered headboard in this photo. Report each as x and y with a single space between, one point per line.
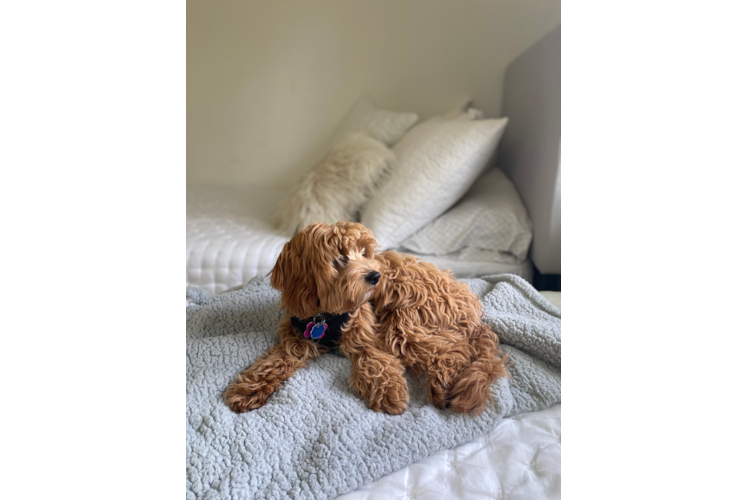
530 151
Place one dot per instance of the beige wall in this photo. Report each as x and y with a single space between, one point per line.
268 81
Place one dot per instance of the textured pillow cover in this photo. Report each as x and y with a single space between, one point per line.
337 187
437 162
385 126
489 218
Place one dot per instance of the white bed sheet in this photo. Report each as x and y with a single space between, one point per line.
230 239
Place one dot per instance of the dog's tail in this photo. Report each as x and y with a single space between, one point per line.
471 390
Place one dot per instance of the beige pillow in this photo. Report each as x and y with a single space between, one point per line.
336 187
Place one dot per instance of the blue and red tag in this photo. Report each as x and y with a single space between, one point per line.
315 330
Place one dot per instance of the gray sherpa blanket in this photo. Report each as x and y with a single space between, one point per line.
315 438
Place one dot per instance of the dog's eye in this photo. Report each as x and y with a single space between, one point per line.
340 261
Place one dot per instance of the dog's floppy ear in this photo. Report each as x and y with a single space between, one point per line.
280 270
297 271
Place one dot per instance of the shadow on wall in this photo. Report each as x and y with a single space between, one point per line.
268 82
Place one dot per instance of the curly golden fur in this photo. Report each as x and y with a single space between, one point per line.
404 313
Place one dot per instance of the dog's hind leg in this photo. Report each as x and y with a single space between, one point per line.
254 385
443 370
471 389
441 355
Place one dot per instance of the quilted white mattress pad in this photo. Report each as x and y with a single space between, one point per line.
230 239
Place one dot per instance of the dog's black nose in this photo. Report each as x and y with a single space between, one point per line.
373 277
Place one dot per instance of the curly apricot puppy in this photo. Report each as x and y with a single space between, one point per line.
384 312
305 274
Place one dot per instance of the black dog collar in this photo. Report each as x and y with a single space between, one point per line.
322 329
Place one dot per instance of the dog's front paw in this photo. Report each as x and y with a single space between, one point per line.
244 397
393 399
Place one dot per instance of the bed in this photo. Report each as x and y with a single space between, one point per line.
230 240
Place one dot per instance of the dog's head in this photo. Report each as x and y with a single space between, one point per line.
312 263
358 280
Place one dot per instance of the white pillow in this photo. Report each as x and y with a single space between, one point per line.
383 125
489 218
437 162
336 187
